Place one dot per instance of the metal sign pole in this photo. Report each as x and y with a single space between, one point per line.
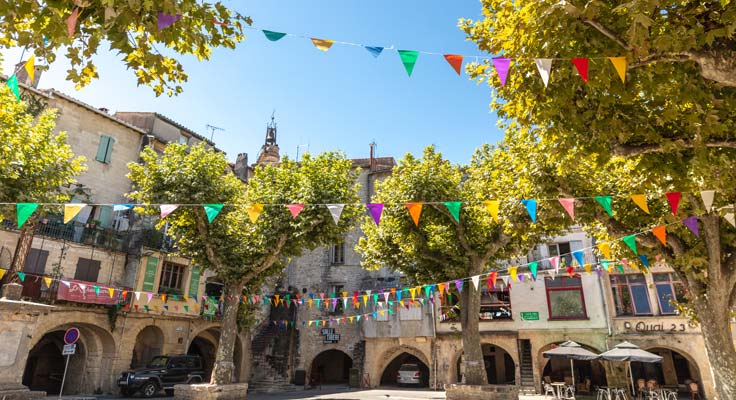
64 377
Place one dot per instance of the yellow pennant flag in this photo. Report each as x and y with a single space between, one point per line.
413 292
587 268
310 302
71 211
382 312
46 280
365 300
641 201
620 64
492 207
31 68
254 210
512 272
605 249
2 273
351 319
322 44
186 297
111 291
415 210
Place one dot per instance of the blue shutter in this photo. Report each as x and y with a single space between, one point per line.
102 148
108 152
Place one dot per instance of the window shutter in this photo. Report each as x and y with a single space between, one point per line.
102 148
105 216
108 152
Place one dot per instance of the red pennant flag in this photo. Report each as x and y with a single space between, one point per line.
570 271
492 280
674 199
455 60
582 66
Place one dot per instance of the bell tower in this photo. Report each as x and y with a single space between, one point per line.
269 153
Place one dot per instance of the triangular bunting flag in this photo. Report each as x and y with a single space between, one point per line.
569 206
570 271
212 210
605 202
273 36
641 201
322 44
137 295
555 261
644 260
454 208
730 218
46 280
533 269
167 209
512 272
71 22
149 296
605 249
12 83
71 211
708 196
295 209
631 242
415 210
97 290
459 285
492 207
23 212
578 254
408 58
587 268
335 211
30 68
121 207
374 50
476 280
692 224
544 66
21 276
375 209
111 292
455 60
674 199
620 64
581 64
501 65
531 208
166 20
660 233
254 211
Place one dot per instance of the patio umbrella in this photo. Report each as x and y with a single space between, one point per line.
572 351
629 352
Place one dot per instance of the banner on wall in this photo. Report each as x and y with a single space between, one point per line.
84 292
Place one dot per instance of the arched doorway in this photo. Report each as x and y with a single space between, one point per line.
500 367
676 369
205 345
45 364
148 344
331 366
390 373
588 374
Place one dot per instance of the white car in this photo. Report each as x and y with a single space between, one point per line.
409 374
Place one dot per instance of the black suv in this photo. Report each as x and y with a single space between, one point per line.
163 372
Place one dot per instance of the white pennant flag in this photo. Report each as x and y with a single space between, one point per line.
336 211
385 296
345 303
544 66
475 280
730 218
708 196
555 261
505 280
66 283
83 286
137 296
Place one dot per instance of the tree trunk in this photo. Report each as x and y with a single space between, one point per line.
475 371
222 373
715 323
22 248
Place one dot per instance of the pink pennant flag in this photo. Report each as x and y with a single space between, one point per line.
150 296
501 65
71 22
295 209
569 206
167 209
555 261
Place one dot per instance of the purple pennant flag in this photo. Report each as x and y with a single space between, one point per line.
599 272
375 210
521 278
502 68
459 285
692 224
166 20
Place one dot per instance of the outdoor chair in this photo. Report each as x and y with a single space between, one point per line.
618 394
603 394
549 390
583 387
694 391
568 392
641 387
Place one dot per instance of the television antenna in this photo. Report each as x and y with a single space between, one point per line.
212 130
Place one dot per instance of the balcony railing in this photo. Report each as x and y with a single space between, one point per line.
75 232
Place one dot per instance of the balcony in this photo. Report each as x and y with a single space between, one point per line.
75 232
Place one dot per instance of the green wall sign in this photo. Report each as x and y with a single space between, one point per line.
150 277
529 316
194 282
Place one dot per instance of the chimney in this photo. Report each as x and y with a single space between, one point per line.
105 110
373 156
23 77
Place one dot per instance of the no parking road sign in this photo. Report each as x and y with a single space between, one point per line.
71 336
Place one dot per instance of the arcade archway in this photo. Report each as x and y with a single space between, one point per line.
675 370
588 374
390 373
330 367
500 367
148 344
205 345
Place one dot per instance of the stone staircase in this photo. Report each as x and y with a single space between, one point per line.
526 368
270 350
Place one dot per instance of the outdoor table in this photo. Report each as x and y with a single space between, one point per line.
558 388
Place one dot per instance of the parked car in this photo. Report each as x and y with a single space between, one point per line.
163 372
409 374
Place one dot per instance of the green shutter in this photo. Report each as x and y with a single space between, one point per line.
194 282
102 148
150 277
105 216
108 152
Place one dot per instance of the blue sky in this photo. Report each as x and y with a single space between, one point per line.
339 100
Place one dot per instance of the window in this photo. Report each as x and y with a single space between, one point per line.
413 313
172 276
562 250
183 139
104 150
495 304
338 254
36 262
565 298
630 295
669 289
87 270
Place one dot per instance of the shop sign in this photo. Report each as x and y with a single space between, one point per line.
84 292
654 327
330 336
529 315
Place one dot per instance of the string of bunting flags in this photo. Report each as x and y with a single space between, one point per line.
375 210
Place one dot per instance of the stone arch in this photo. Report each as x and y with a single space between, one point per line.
677 367
559 369
389 355
498 371
92 366
204 344
330 366
149 342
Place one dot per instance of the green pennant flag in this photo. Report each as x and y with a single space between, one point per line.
605 202
390 311
23 211
454 208
533 268
605 264
631 242
175 297
146 307
186 308
13 85
273 36
409 58
620 267
212 210
97 290
22 276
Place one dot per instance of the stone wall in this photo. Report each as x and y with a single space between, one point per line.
481 392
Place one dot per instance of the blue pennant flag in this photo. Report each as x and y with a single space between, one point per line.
531 207
644 260
578 254
375 51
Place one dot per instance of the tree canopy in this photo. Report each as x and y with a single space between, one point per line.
241 251
130 27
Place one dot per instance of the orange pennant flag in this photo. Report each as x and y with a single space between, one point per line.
661 233
415 210
441 286
322 44
620 64
455 60
641 201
